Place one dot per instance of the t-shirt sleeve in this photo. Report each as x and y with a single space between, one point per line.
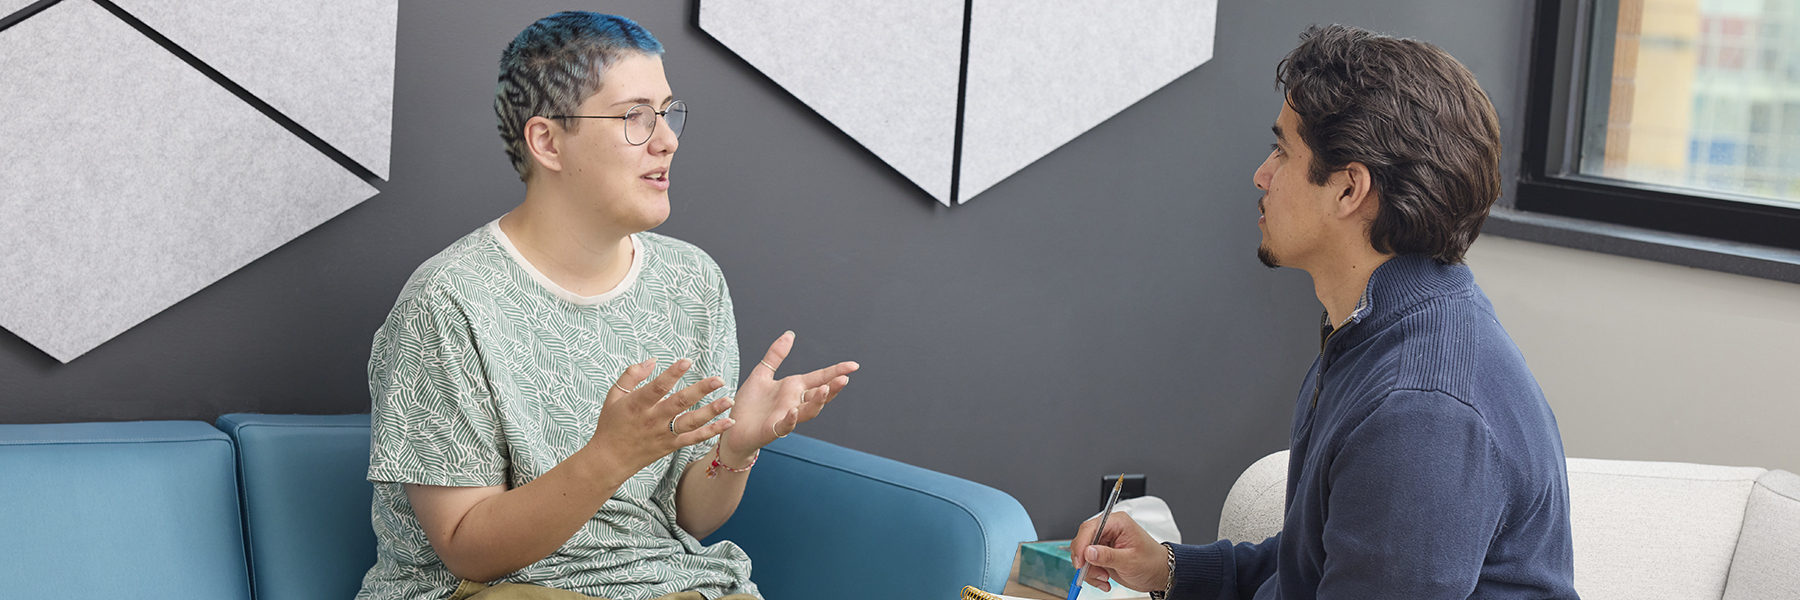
717 352
1416 498
432 419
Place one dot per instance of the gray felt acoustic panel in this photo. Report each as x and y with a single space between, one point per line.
1038 72
883 72
8 7
326 64
132 180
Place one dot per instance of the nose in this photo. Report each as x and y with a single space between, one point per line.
663 140
1265 173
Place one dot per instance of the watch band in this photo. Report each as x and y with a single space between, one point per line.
1163 594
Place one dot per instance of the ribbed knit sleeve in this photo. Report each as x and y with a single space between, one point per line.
1222 570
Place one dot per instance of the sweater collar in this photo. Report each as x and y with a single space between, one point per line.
1394 289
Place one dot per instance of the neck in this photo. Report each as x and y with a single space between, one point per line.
1340 285
572 247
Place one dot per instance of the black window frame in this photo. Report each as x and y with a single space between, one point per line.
1553 203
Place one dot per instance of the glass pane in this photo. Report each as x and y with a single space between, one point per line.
1701 94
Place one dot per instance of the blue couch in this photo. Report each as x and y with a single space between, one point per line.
276 508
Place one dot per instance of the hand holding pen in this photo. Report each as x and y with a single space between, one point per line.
1118 548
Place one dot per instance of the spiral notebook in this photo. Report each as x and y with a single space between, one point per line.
971 593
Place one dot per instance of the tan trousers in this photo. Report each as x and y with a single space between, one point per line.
470 590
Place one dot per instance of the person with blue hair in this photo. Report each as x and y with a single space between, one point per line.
523 444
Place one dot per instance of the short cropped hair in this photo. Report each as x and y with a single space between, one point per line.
1415 117
554 65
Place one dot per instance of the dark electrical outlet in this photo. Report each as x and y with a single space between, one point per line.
1133 488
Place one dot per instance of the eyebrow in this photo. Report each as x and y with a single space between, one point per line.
637 101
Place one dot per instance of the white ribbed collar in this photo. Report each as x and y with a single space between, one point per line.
637 264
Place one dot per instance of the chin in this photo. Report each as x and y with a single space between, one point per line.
653 217
1267 256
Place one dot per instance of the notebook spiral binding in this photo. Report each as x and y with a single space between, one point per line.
971 593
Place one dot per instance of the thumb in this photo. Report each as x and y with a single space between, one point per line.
1101 556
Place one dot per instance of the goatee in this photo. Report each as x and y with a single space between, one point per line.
1267 257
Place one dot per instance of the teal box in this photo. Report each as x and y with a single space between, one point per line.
1046 566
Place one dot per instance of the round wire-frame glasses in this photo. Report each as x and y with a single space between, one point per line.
640 120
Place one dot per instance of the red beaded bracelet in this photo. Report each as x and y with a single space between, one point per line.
713 471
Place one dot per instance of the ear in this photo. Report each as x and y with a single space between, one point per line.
1356 192
543 140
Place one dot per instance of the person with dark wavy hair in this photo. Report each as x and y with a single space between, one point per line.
1424 461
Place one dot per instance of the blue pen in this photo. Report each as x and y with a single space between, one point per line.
1075 586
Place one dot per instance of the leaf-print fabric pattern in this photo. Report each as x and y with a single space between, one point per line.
486 373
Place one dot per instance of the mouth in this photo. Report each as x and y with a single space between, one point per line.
658 178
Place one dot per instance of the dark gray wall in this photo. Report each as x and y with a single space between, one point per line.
1100 311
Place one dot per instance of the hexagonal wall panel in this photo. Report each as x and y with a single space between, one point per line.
326 64
883 72
1039 72
134 181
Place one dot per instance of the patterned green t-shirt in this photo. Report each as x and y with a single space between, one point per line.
487 373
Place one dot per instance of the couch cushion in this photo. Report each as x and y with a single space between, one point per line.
1767 563
142 509
306 504
1254 507
1654 529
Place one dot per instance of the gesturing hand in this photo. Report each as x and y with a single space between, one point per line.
1125 553
638 427
770 408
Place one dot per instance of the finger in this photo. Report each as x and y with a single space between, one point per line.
1098 577
836 385
705 433
814 402
778 352
679 402
1078 546
699 417
665 382
629 380
1121 526
1101 556
789 423
825 375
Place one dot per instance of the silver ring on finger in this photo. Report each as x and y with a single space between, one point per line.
672 424
616 387
786 434
766 364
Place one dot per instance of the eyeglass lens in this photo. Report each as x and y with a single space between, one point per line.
640 121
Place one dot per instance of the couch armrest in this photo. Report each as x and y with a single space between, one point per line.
1768 547
824 521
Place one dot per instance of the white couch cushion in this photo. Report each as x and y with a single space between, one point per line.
1253 509
1641 529
1767 563
1655 530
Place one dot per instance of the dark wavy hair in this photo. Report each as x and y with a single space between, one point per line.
552 66
1415 117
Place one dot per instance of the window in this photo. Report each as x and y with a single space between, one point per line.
1681 116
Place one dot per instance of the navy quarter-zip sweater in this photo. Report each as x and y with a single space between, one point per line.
1424 462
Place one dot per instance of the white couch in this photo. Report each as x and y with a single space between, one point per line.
1643 530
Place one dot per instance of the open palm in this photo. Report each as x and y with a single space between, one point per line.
767 408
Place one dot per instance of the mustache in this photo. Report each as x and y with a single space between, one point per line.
1259 204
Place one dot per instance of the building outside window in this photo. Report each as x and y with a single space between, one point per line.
1697 94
